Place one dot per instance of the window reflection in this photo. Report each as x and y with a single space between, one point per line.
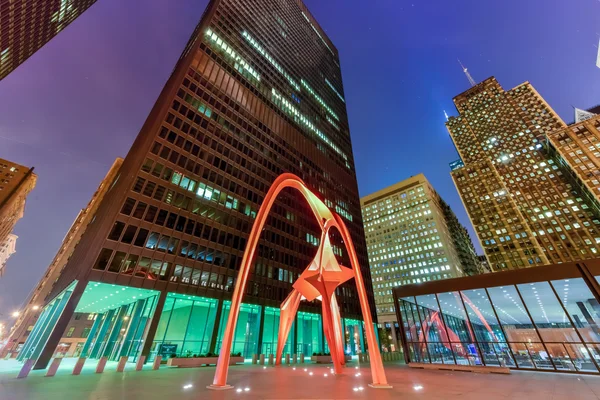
460 332
581 305
548 315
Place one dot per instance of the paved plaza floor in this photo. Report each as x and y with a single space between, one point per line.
288 383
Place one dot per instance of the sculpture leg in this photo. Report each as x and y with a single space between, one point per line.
337 328
289 308
328 327
377 371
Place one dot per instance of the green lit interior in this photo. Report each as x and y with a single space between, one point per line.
185 326
310 334
245 339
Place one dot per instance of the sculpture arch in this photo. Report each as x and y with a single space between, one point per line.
321 277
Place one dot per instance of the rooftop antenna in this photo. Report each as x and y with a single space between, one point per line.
446 115
469 77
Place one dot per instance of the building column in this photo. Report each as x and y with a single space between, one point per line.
50 325
261 329
57 326
361 330
115 332
108 316
91 335
215 334
394 336
295 340
39 326
134 321
154 324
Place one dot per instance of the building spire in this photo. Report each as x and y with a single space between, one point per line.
446 115
469 77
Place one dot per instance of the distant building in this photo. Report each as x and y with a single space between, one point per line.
412 236
578 147
526 207
31 312
16 181
463 245
484 265
7 249
27 25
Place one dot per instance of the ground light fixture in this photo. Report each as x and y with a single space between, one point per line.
188 386
418 387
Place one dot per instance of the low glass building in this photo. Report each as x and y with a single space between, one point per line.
544 318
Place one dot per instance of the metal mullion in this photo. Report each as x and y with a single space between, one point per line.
501 327
460 294
446 328
422 329
401 325
536 330
573 325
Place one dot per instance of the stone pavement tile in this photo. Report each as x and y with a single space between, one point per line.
285 383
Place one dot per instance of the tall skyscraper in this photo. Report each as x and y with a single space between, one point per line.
29 315
526 208
16 181
7 249
412 236
27 25
256 92
578 147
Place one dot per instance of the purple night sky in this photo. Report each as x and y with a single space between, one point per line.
79 102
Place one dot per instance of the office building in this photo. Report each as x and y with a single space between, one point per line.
16 181
526 208
26 26
578 147
541 318
412 236
7 249
484 265
29 315
256 92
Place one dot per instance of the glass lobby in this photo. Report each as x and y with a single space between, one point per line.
548 325
187 324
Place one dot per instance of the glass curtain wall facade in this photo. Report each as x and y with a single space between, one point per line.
515 320
256 93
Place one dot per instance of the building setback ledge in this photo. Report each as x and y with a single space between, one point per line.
465 368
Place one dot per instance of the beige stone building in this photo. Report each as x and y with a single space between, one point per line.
412 237
29 315
16 181
7 249
579 147
522 200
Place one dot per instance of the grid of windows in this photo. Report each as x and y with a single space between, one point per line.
411 238
25 26
579 147
526 208
216 140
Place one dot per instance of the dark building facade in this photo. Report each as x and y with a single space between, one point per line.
25 26
29 314
256 92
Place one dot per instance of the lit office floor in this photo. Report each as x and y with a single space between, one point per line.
286 383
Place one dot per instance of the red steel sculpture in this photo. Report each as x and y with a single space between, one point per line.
318 281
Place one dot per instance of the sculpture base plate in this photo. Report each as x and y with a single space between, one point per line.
214 387
376 386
